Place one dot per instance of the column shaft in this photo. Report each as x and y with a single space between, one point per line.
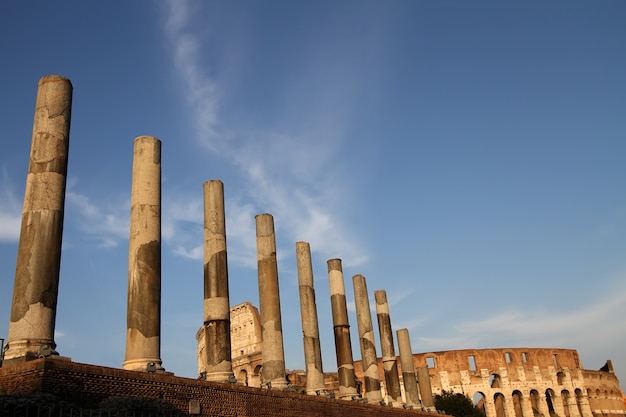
408 367
216 298
269 302
390 366
33 310
310 329
426 391
369 358
143 333
343 348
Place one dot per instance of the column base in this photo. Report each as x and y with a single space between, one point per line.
144 365
226 377
27 350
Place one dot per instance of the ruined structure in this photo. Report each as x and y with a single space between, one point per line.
273 375
409 379
390 368
516 382
216 298
521 382
369 359
308 312
33 310
143 332
343 347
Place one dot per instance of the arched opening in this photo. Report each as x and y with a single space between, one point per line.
579 400
479 401
534 403
565 399
254 380
242 377
498 402
494 381
549 401
517 403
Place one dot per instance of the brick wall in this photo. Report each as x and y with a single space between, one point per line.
87 385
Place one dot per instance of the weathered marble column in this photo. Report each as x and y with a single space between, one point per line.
33 311
343 348
426 391
273 355
143 323
310 329
408 367
369 359
216 299
390 366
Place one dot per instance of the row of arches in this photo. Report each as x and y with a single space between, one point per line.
534 404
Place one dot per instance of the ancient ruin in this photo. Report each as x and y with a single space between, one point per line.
33 310
269 299
241 361
310 328
143 333
216 298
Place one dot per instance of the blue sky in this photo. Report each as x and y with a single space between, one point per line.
467 157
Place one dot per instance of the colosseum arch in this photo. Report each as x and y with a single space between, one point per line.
550 401
535 402
499 403
242 377
495 381
565 399
479 401
518 400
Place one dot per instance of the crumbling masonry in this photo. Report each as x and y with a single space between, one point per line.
240 345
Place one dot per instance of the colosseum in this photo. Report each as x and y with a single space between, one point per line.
504 382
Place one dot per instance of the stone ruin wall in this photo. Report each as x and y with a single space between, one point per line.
246 345
523 382
514 382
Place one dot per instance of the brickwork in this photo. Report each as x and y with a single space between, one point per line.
87 385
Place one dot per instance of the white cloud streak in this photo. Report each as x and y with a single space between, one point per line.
10 210
288 175
590 327
108 224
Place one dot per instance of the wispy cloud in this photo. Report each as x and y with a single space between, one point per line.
10 210
589 327
107 223
288 173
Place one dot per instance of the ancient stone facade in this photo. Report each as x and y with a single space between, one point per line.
246 345
522 382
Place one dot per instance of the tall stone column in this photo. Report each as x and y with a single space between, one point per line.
143 322
216 299
33 311
390 366
426 391
343 348
369 359
408 367
310 329
269 302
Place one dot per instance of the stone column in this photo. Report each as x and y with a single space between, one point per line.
369 359
143 323
408 367
343 348
216 301
390 366
269 302
33 311
310 329
426 391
